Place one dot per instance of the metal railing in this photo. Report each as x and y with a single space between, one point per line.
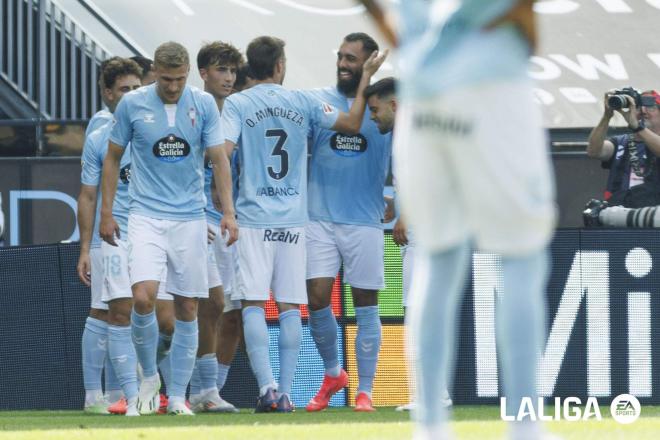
49 59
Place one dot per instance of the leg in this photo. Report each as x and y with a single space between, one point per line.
322 323
184 342
367 342
289 347
165 317
121 350
94 348
229 334
440 279
520 331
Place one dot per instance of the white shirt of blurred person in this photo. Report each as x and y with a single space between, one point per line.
170 126
118 77
218 64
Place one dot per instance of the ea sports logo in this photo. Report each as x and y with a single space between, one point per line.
625 408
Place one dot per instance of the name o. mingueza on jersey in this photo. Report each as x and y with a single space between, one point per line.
281 236
272 191
275 112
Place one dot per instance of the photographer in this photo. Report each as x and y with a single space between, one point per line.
632 158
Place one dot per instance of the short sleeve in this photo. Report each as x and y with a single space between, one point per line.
91 161
122 130
230 121
320 113
211 131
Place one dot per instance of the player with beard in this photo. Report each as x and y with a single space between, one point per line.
346 181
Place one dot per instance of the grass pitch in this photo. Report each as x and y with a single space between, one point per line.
469 422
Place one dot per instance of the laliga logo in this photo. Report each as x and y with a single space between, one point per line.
625 409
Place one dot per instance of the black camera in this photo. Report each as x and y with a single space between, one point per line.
618 99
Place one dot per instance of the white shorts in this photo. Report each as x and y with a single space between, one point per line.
360 247
96 273
225 259
408 263
473 164
178 247
116 282
271 259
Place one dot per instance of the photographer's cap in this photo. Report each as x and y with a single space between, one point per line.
650 98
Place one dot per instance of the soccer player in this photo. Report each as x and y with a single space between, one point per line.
103 116
120 76
147 65
169 126
347 177
473 171
270 126
218 64
117 78
382 104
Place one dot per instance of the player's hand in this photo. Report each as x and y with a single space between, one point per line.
210 234
84 269
373 63
229 226
608 110
109 229
389 213
399 233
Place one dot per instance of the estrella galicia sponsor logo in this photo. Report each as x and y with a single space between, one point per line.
125 174
345 145
281 236
171 148
275 191
625 408
442 123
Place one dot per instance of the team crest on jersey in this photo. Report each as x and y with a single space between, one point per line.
345 145
171 148
149 118
125 174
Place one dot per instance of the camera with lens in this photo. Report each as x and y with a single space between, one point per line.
618 100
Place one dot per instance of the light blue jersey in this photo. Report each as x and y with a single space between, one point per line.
99 119
347 172
271 125
167 150
444 45
213 216
94 151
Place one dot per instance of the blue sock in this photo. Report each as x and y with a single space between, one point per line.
256 342
323 327
145 337
111 381
165 367
121 352
182 356
223 372
195 382
289 345
367 346
440 279
520 322
208 371
94 348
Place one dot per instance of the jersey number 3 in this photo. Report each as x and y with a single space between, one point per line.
279 151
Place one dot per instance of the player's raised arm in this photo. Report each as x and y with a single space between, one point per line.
220 155
109 226
521 15
383 21
350 123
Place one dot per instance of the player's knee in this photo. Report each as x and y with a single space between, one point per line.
364 297
185 309
120 315
99 314
231 322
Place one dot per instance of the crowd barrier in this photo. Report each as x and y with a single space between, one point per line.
603 299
